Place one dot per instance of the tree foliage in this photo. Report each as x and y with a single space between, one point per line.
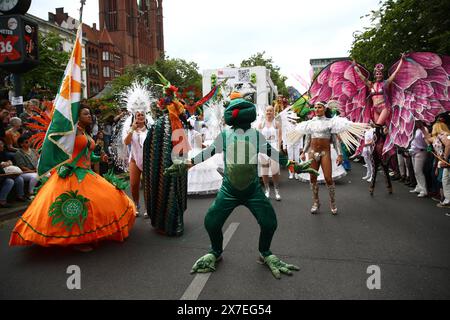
278 79
53 61
179 72
403 26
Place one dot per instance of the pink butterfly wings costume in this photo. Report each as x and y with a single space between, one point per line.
417 89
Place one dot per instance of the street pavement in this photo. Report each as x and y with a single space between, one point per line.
406 237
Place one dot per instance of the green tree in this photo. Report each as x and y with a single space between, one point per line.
403 26
278 79
53 61
179 72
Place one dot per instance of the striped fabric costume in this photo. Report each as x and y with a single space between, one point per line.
165 196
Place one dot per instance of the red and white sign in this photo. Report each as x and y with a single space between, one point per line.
7 50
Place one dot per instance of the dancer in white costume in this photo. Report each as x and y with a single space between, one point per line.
337 172
322 132
138 101
203 178
297 147
270 128
293 149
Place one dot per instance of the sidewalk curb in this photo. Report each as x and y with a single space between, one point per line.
10 213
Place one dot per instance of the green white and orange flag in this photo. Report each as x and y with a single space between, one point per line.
60 137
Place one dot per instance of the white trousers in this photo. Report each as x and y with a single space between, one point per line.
419 159
32 179
446 184
402 167
294 152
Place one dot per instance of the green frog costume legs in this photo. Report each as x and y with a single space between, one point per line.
240 146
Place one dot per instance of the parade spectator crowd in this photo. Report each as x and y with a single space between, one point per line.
423 166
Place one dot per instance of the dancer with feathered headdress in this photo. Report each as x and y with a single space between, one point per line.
166 197
138 101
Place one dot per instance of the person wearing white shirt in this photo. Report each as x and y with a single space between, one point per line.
418 153
367 153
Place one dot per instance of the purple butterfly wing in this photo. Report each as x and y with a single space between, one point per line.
419 91
339 82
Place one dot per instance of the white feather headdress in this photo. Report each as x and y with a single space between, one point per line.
137 98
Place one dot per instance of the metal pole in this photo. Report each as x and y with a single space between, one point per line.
18 84
83 2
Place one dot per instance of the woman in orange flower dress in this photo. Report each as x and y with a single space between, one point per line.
76 206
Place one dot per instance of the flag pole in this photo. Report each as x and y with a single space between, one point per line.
83 2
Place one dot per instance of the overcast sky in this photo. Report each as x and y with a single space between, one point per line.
216 33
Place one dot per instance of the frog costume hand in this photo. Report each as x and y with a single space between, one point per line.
277 267
303 167
177 169
206 264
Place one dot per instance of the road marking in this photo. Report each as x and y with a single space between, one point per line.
199 282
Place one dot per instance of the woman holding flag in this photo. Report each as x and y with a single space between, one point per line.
75 206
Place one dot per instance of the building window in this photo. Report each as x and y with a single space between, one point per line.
111 15
105 56
106 72
130 17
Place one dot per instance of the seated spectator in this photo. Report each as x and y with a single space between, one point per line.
47 107
28 111
8 181
13 134
5 104
26 159
4 121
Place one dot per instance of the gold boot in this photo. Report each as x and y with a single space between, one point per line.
332 191
316 204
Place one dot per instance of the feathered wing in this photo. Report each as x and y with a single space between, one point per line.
287 118
350 133
213 117
42 122
210 95
339 82
299 112
301 107
419 91
117 148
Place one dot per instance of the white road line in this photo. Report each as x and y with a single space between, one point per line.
199 282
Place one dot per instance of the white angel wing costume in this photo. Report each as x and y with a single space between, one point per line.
349 133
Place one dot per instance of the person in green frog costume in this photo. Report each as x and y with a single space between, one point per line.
240 146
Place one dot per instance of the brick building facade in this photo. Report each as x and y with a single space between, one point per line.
131 32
